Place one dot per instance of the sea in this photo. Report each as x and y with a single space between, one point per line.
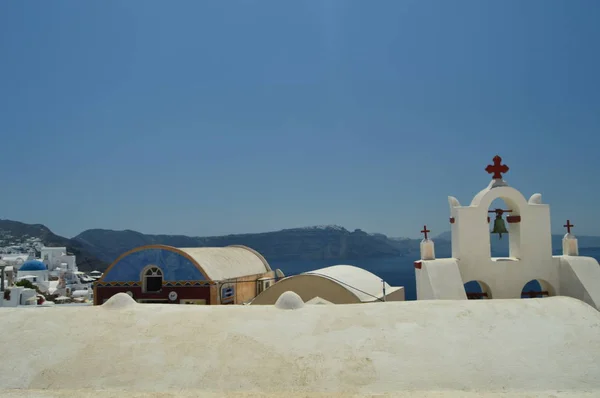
396 271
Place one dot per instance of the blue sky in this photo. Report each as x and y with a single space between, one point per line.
206 118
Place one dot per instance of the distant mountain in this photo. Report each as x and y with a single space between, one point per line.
319 242
444 236
20 237
96 248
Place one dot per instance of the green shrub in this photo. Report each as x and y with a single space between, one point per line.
26 283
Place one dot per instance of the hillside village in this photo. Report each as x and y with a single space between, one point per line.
10 244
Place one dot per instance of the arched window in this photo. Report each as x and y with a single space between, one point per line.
153 278
477 290
537 288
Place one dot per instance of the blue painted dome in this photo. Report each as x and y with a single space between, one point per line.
33 265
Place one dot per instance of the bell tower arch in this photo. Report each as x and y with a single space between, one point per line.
509 217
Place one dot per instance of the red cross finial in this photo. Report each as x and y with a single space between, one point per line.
497 169
425 231
568 226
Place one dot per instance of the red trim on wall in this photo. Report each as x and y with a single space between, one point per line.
183 293
418 264
452 220
513 219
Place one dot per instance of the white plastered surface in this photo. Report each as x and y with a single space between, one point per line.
427 348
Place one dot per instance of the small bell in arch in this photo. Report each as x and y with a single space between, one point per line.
499 225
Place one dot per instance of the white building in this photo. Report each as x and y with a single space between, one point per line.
16 260
33 269
58 260
530 257
36 272
17 296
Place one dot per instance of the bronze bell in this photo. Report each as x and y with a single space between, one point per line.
499 226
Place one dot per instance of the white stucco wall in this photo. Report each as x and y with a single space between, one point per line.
440 280
49 254
15 297
18 296
70 261
461 348
580 278
27 294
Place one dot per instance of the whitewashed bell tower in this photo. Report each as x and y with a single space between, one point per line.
530 250
529 234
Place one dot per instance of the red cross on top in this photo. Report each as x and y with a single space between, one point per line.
497 168
425 231
568 226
